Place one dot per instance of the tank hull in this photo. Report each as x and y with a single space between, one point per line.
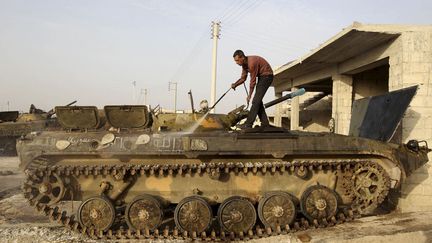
354 175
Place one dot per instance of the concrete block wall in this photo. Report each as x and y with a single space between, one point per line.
410 61
411 64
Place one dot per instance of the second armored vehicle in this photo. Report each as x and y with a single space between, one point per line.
14 124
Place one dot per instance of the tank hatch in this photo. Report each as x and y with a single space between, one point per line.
377 117
7 116
78 117
127 116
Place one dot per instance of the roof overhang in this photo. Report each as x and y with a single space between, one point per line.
349 43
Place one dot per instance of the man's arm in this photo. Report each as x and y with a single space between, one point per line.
253 77
241 80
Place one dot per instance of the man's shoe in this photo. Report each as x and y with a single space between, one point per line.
243 126
265 125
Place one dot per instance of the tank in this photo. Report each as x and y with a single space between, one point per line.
14 124
144 175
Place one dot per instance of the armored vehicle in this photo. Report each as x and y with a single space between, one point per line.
140 177
14 124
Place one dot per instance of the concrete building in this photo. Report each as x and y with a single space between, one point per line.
364 60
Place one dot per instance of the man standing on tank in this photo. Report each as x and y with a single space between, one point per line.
259 68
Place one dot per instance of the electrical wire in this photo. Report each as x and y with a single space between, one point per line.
237 18
187 61
245 5
256 43
266 38
265 41
232 9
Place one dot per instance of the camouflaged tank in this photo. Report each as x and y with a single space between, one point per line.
139 176
14 125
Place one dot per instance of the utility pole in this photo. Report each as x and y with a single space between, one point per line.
145 96
144 92
7 105
175 93
215 37
134 92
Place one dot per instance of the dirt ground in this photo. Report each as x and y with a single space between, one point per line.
20 223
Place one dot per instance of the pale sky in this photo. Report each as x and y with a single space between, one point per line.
56 51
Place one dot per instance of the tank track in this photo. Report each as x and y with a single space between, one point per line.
39 169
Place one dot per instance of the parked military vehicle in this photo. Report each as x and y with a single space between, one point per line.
14 125
140 177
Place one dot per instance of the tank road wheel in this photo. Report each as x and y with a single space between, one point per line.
96 212
193 214
319 202
370 185
236 214
144 212
276 208
49 190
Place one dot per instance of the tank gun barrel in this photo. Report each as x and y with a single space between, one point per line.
285 97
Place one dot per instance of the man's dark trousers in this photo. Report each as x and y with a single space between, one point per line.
257 107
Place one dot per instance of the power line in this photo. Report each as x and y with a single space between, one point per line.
185 64
235 19
234 10
260 39
261 42
265 37
228 12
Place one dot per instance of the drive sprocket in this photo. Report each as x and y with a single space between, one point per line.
370 186
47 190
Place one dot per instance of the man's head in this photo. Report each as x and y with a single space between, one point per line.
239 57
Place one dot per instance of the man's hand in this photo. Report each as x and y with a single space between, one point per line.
233 86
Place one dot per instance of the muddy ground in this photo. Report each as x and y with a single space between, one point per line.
20 223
